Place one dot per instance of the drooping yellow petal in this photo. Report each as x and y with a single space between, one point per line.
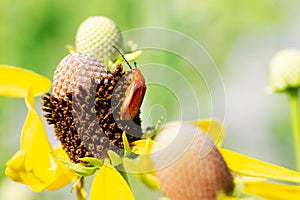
16 170
57 177
247 166
15 81
63 175
35 142
213 128
34 164
272 190
108 184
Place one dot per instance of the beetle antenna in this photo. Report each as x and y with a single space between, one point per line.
122 56
135 65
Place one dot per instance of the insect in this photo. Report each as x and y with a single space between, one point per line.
134 94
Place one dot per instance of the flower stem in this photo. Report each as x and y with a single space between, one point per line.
294 103
80 191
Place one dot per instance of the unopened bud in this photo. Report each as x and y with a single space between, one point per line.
284 72
97 37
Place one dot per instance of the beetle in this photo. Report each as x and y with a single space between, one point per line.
134 95
135 92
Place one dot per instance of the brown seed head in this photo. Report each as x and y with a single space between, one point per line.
76 69
85 108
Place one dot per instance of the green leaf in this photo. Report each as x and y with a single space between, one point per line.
133 56
115 159
77 168
127 149
93 161
152 133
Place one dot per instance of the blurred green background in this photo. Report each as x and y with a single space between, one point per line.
240 37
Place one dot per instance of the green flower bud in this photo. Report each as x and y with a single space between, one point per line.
97 36
284 72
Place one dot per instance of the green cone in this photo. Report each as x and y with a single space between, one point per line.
96 37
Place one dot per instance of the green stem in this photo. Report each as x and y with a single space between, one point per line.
294 103
80 191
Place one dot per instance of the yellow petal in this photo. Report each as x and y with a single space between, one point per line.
247 166
272 190
35 142
144 162
108 184
213 128
63 175
142 146
16 170
34 163
15 81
